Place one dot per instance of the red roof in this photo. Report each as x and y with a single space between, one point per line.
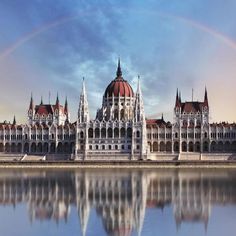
191 107
155 122
46 109
119 86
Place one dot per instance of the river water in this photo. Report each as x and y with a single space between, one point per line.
118 202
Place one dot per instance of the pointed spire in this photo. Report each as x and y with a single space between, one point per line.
14 120
57 100
205 98
41 103
162 118
139 114
177 99
66 106
31 106
118 72
83 112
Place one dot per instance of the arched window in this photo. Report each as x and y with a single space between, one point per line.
90 133
97 133
116 133
129 132
103 133
122 132
81 134
109 132
176 135
122 114
116 114
138 134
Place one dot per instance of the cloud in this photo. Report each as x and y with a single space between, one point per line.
165 52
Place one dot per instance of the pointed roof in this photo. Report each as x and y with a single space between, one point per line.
57 100
66 106
41 103
14 120
177 99
118 71
205 98
31 106
119 86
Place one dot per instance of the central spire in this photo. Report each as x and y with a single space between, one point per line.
118 72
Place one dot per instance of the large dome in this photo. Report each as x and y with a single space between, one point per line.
119 86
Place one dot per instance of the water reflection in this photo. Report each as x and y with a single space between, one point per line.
120 198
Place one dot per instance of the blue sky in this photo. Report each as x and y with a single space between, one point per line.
49 45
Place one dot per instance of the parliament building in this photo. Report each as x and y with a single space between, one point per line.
120 129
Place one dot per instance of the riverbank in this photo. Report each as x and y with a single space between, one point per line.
117 164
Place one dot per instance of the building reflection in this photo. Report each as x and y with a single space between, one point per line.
120 198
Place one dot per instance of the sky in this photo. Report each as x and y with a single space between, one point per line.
48 46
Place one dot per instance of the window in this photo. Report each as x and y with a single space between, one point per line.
138 134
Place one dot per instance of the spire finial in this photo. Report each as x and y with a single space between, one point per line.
162 118
66 106
118 72
41 103
206 97
14 120
57 100
31 106
177 100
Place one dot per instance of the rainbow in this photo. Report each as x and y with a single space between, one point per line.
204 28
33 34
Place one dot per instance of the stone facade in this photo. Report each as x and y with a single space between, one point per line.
120 129
191 130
